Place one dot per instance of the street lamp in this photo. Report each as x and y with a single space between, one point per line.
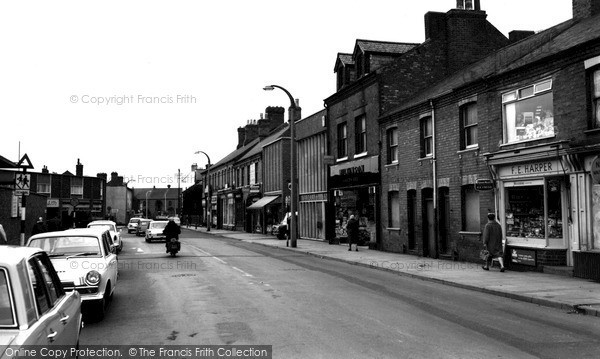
150 191
294 186
208 199
127 200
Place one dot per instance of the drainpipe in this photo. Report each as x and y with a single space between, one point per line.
435 184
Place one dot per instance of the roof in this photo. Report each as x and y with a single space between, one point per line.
12 255
384 46
5 163
155 193
236 154
535 48
276 134
343 59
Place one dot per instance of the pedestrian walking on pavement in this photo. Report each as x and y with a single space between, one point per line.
352 231
39 227
492 241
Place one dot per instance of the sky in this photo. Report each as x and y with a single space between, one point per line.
137 87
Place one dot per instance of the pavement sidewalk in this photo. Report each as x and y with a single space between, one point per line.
567 293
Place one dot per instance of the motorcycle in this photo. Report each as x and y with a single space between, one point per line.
173 246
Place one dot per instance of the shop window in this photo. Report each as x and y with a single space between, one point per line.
468 123
596 216
528 113
361 134
342 140
392 145
595 97
426 137
534 212
471 220
394 209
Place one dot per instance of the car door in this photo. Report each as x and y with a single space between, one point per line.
111 259
55 324
67 306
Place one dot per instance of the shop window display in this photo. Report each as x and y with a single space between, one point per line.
360 202
534 212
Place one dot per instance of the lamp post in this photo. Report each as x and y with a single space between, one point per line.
127 200
294 184
208 197
147 202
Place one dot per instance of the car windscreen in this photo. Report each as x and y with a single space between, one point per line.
134 220
68 245
103 226
7 317
157 225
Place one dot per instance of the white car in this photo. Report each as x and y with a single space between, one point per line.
155 230
176 220
114 233
35 310
85 261
132 225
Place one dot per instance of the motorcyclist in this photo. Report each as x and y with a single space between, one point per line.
171 230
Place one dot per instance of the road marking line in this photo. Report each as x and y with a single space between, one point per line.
241 271
210 255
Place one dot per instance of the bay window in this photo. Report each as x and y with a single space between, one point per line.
528 113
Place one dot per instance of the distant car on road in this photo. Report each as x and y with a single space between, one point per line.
86 262
34 307
155 230
114 233
132 225
176 220
142 226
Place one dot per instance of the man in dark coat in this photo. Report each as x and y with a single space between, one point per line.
39 227
171 230
492 241
352 231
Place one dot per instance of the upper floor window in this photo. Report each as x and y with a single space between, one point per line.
392 145
43 184
342 140
468 123
595 94
528 113
361 134
359 65
340 77
77 186
426 137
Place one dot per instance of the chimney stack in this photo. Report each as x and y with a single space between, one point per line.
518 35
102 175
45 170
275 116
582 9
79 169
241 136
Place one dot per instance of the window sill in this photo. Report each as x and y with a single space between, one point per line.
393 164
426 158
390 229
466 233
593 131
526 141
468 149
342 159
362 154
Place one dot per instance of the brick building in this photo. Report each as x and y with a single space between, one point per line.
379 76
524 120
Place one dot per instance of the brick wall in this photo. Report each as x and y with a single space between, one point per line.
36 207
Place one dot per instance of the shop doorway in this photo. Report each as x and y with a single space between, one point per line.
444 219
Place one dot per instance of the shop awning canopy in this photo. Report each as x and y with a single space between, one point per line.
262 202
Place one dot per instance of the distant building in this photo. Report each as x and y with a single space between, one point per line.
155 202
119 198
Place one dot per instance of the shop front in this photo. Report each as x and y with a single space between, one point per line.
264 213
533 203
354 188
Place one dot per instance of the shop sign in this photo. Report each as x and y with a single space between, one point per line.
523 256
363 165
484 184
531 169
596 170
52 203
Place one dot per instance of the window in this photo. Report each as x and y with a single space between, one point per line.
528 113
7 312
342 140
77 186
359 65
392 145
595 97
340 77
361 134
465 4
394 209
468 123
426 137
471 221
43 184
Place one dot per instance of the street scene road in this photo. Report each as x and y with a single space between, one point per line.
223 291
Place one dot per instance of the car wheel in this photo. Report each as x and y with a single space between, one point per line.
147 240
104 303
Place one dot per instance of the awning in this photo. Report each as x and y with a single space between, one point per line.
262 202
